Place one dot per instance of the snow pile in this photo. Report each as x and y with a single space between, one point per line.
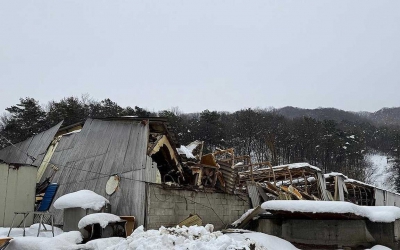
185 151
379 247
180 238
102 218
374 214
64 241
264 240
83 199
196 237
100 244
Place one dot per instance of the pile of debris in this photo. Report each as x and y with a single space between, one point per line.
213 171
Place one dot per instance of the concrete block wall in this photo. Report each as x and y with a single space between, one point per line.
167 207
329 234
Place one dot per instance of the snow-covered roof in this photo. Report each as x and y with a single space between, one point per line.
83 199
101 218
373 213
290 166
298 165
333 174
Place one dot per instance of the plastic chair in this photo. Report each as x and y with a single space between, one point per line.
42 210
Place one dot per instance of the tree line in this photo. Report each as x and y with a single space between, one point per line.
264 134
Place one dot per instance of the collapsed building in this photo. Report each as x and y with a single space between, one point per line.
151 180
360 219
301 181
162 183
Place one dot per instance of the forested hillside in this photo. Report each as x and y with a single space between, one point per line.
334 140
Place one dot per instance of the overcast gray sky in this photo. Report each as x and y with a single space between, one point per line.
218 55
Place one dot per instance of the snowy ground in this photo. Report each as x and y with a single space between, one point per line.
188 238
29 231
185 238
381 173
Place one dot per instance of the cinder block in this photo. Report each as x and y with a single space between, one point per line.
164 212
180 206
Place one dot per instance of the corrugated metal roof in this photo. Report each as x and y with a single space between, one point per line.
101 149
35 146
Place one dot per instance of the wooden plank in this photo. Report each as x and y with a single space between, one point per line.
4 241
191 221
130 224
257 210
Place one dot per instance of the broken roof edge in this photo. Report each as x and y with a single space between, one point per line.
357 182
31 148
290 166
152 119
353 181
133 118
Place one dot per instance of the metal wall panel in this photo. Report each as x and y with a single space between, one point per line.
18 193
379 197
392 199
3 190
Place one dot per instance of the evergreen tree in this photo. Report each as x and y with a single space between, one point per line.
24 120
69 109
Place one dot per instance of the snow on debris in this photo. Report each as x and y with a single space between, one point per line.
64 241
333 174
84 199
196 237
290 166
374 214
300 165
102 218
238 221
185 151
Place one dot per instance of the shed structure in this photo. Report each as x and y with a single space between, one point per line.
18 171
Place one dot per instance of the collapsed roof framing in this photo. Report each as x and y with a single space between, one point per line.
299 181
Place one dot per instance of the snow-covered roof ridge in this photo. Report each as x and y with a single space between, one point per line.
83 198
290 166
299 165
373 213
332 174
101 218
